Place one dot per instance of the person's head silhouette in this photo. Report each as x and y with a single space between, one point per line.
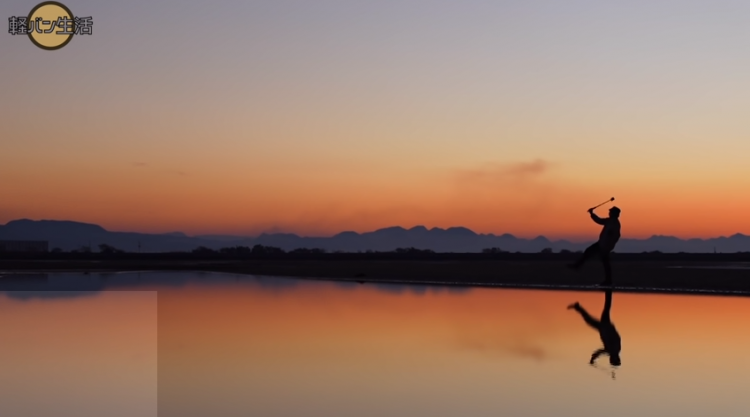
614 212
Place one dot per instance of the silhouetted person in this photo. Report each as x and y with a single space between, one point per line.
607 240
607 331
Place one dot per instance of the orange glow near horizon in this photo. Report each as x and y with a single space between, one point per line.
140 199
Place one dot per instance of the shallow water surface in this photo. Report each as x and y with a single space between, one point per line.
232 345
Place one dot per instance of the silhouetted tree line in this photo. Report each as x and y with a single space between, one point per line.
110 252
413 250
493 250
260 250
305 250
108 249
264 250
244 250
255 250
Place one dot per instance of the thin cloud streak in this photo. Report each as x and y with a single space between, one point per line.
494 171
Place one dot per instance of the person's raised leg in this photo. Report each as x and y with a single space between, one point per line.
589 252
585 315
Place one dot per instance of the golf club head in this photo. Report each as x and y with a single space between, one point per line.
608 201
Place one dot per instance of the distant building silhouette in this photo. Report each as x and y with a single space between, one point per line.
24 246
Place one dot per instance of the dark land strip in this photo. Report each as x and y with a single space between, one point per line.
695 274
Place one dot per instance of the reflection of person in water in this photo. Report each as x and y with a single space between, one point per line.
607 332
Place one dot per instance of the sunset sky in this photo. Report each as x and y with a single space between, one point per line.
314 117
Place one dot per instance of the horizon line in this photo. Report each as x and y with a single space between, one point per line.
578 239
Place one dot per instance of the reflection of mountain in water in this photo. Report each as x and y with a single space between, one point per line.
65 285
28 286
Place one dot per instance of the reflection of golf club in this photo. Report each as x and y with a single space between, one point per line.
611 371
611 199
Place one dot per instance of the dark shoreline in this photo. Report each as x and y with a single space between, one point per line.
532 272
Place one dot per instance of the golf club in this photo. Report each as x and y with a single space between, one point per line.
610 200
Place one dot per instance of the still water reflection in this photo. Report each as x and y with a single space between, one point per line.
611 341
253 346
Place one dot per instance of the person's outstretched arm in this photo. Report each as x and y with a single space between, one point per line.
596 218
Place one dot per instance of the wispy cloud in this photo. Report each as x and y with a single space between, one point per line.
502 190
140 164
494 171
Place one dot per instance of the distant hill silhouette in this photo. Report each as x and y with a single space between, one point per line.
69 235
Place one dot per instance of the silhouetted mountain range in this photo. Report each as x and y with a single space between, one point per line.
68 235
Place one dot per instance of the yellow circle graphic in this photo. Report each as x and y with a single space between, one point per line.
51 25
